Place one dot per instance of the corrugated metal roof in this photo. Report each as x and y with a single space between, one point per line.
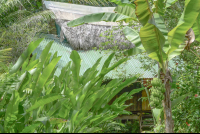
132 67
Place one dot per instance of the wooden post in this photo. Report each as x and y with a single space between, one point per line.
140 121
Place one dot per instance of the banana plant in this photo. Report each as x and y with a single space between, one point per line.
153 38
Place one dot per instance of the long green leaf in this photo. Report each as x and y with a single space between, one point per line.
196 29
133 51
32 65
121 2
32 46
157 114
31 128
3 101
63 113
87 121
108 60
143 11
106 118
12 110
24 80
73 119
96 17
76 61
159 23
44 100
105 71
159 6
128 11
91 130
122 85
47 59
110 86
189 16
33 57
44 54
63 71
170 3
36 76
153 42
90 73
176 52
132 35
45 75
43 120
24 65
178 100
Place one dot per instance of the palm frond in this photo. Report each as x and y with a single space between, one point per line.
9 7
5 54
14 17
35 18
4 57
21 23
14 2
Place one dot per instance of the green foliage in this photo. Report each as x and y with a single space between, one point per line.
34 100
164 46
118 127
20 22
159 44
172 13
186 76
110 41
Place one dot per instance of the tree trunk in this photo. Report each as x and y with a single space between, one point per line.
169 124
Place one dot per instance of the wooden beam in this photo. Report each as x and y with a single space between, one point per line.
125 117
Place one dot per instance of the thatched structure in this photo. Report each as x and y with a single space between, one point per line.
87 36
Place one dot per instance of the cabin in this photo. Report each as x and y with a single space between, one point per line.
83 39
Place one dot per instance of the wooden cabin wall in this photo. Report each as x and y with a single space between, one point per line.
145 103
138 105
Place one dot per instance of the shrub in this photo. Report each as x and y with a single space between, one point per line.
34 100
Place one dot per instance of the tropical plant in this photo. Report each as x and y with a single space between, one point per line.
20 21
186 77
153 37
34 100
118 127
